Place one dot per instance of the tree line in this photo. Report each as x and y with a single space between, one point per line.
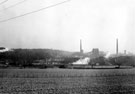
26 57
118 61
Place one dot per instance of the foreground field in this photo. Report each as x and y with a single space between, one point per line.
67 81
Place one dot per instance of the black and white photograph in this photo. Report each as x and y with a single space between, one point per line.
67 46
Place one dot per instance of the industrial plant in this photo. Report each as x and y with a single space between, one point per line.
44 58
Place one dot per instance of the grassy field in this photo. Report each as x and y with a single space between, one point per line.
67 81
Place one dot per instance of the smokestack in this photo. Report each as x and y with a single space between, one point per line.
81 51
117 46
125 51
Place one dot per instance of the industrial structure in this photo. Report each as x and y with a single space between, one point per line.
117 47
81 50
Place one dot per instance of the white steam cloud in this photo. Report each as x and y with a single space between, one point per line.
84 61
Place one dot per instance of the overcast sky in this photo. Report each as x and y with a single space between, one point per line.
97 22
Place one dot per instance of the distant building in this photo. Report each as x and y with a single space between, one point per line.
95 53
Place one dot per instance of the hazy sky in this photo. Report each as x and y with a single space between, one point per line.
97 22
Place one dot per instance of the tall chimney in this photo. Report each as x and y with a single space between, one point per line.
125 51
81 51
117 46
